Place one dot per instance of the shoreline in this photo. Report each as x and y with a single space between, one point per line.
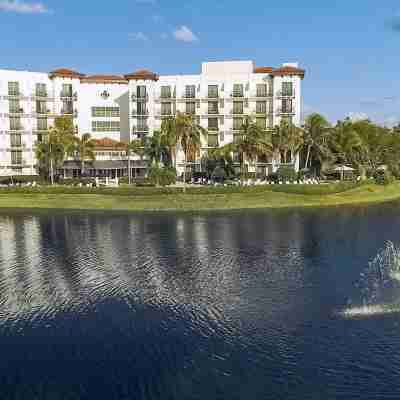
363 195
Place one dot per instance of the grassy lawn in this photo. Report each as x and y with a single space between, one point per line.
204 198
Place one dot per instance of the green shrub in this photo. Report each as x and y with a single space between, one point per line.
5 180
383 178
162 176
316 189
286 174
77 181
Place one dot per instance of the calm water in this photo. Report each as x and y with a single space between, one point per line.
214 306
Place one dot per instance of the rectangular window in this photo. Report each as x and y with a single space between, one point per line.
238 107
190 91
213 124
14 107
105 126
212 140
213 107
191 108
165 92
287 89
16 139
261 90
261 107
109 112
287 106
41 90
213 91
237 124
42 124
261 123
238 90
15 123
13 89
166 109
142 124
67 107
141 92
16 157
41 107
141 108
66 90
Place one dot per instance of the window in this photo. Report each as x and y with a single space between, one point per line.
261 123
238 107
287 106
166 109
141 108
13 89
238 90
42 124
261 90
213 107
14 107
16 139
190 91
108 112
165 92
261 107
16 157
142 124
237 124
66 90
41 107
15 123
213 91
41 90
67 107
212 140
213 124
191 108
105 126
141 92
287 88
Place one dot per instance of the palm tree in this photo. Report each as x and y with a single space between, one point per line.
316 130
84 149
188 136
252 143
51 152
155 148
134 147
168 129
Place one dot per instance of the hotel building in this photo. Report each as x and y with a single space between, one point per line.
117 109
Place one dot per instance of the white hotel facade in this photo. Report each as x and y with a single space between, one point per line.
117 109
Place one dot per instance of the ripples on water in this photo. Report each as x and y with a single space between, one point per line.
219 306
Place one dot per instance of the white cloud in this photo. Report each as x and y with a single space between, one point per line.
23 7
184 34
138 36
391 121
357 116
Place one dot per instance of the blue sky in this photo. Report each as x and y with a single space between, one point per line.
349 48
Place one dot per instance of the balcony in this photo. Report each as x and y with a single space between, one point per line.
140 128
286 93
16 128
140 113
16 111
144 97
237 112
237 94
189 96
212 96
263 95
285 111
213 112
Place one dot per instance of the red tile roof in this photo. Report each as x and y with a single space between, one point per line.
104 79
109 144
288 71
263 70
65 73
142 74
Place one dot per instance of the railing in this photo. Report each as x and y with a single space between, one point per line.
16 111
41 94
16 128
143 128
264 94
236 112
213 112
286 111
237 94
286 93
66 95
145 97
212 96
213 128
140 113
189 96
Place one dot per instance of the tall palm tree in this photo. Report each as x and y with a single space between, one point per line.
51 152
316 132
84 149
188 136
169 134
155 148
252 143
134 147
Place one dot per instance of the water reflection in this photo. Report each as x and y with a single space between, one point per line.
186 306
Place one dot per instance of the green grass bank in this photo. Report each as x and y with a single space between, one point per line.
201 198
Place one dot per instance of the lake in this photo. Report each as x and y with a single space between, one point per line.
227 305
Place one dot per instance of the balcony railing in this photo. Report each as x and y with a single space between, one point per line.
16 111
236 112
237 94
212 95
264 94
16 128
286 93
213 112
189 96
286 111
144 97
66 95
140 113
141 128
41 94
